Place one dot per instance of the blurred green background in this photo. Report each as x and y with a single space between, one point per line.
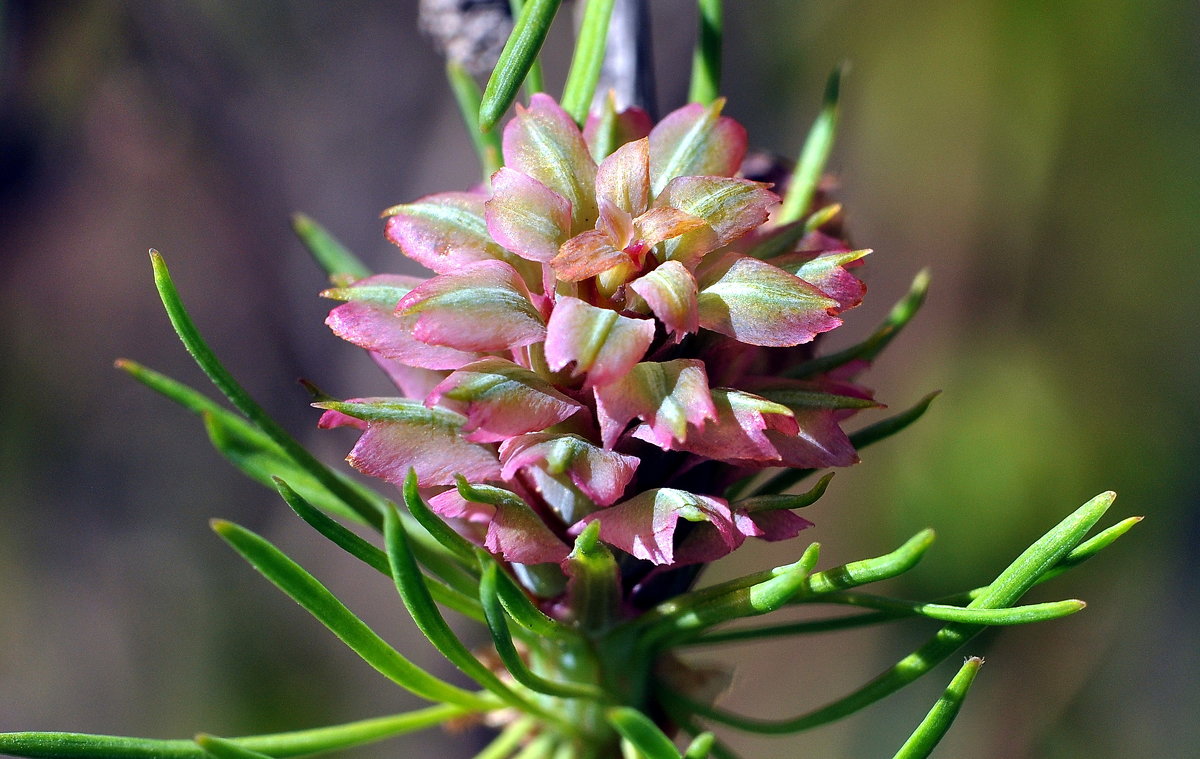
1043 159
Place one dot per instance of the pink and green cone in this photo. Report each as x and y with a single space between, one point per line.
600 344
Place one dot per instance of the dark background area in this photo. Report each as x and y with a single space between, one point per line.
1041 158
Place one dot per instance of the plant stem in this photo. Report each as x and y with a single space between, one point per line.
588 59
706 58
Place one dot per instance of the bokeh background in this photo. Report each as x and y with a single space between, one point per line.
1043 159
